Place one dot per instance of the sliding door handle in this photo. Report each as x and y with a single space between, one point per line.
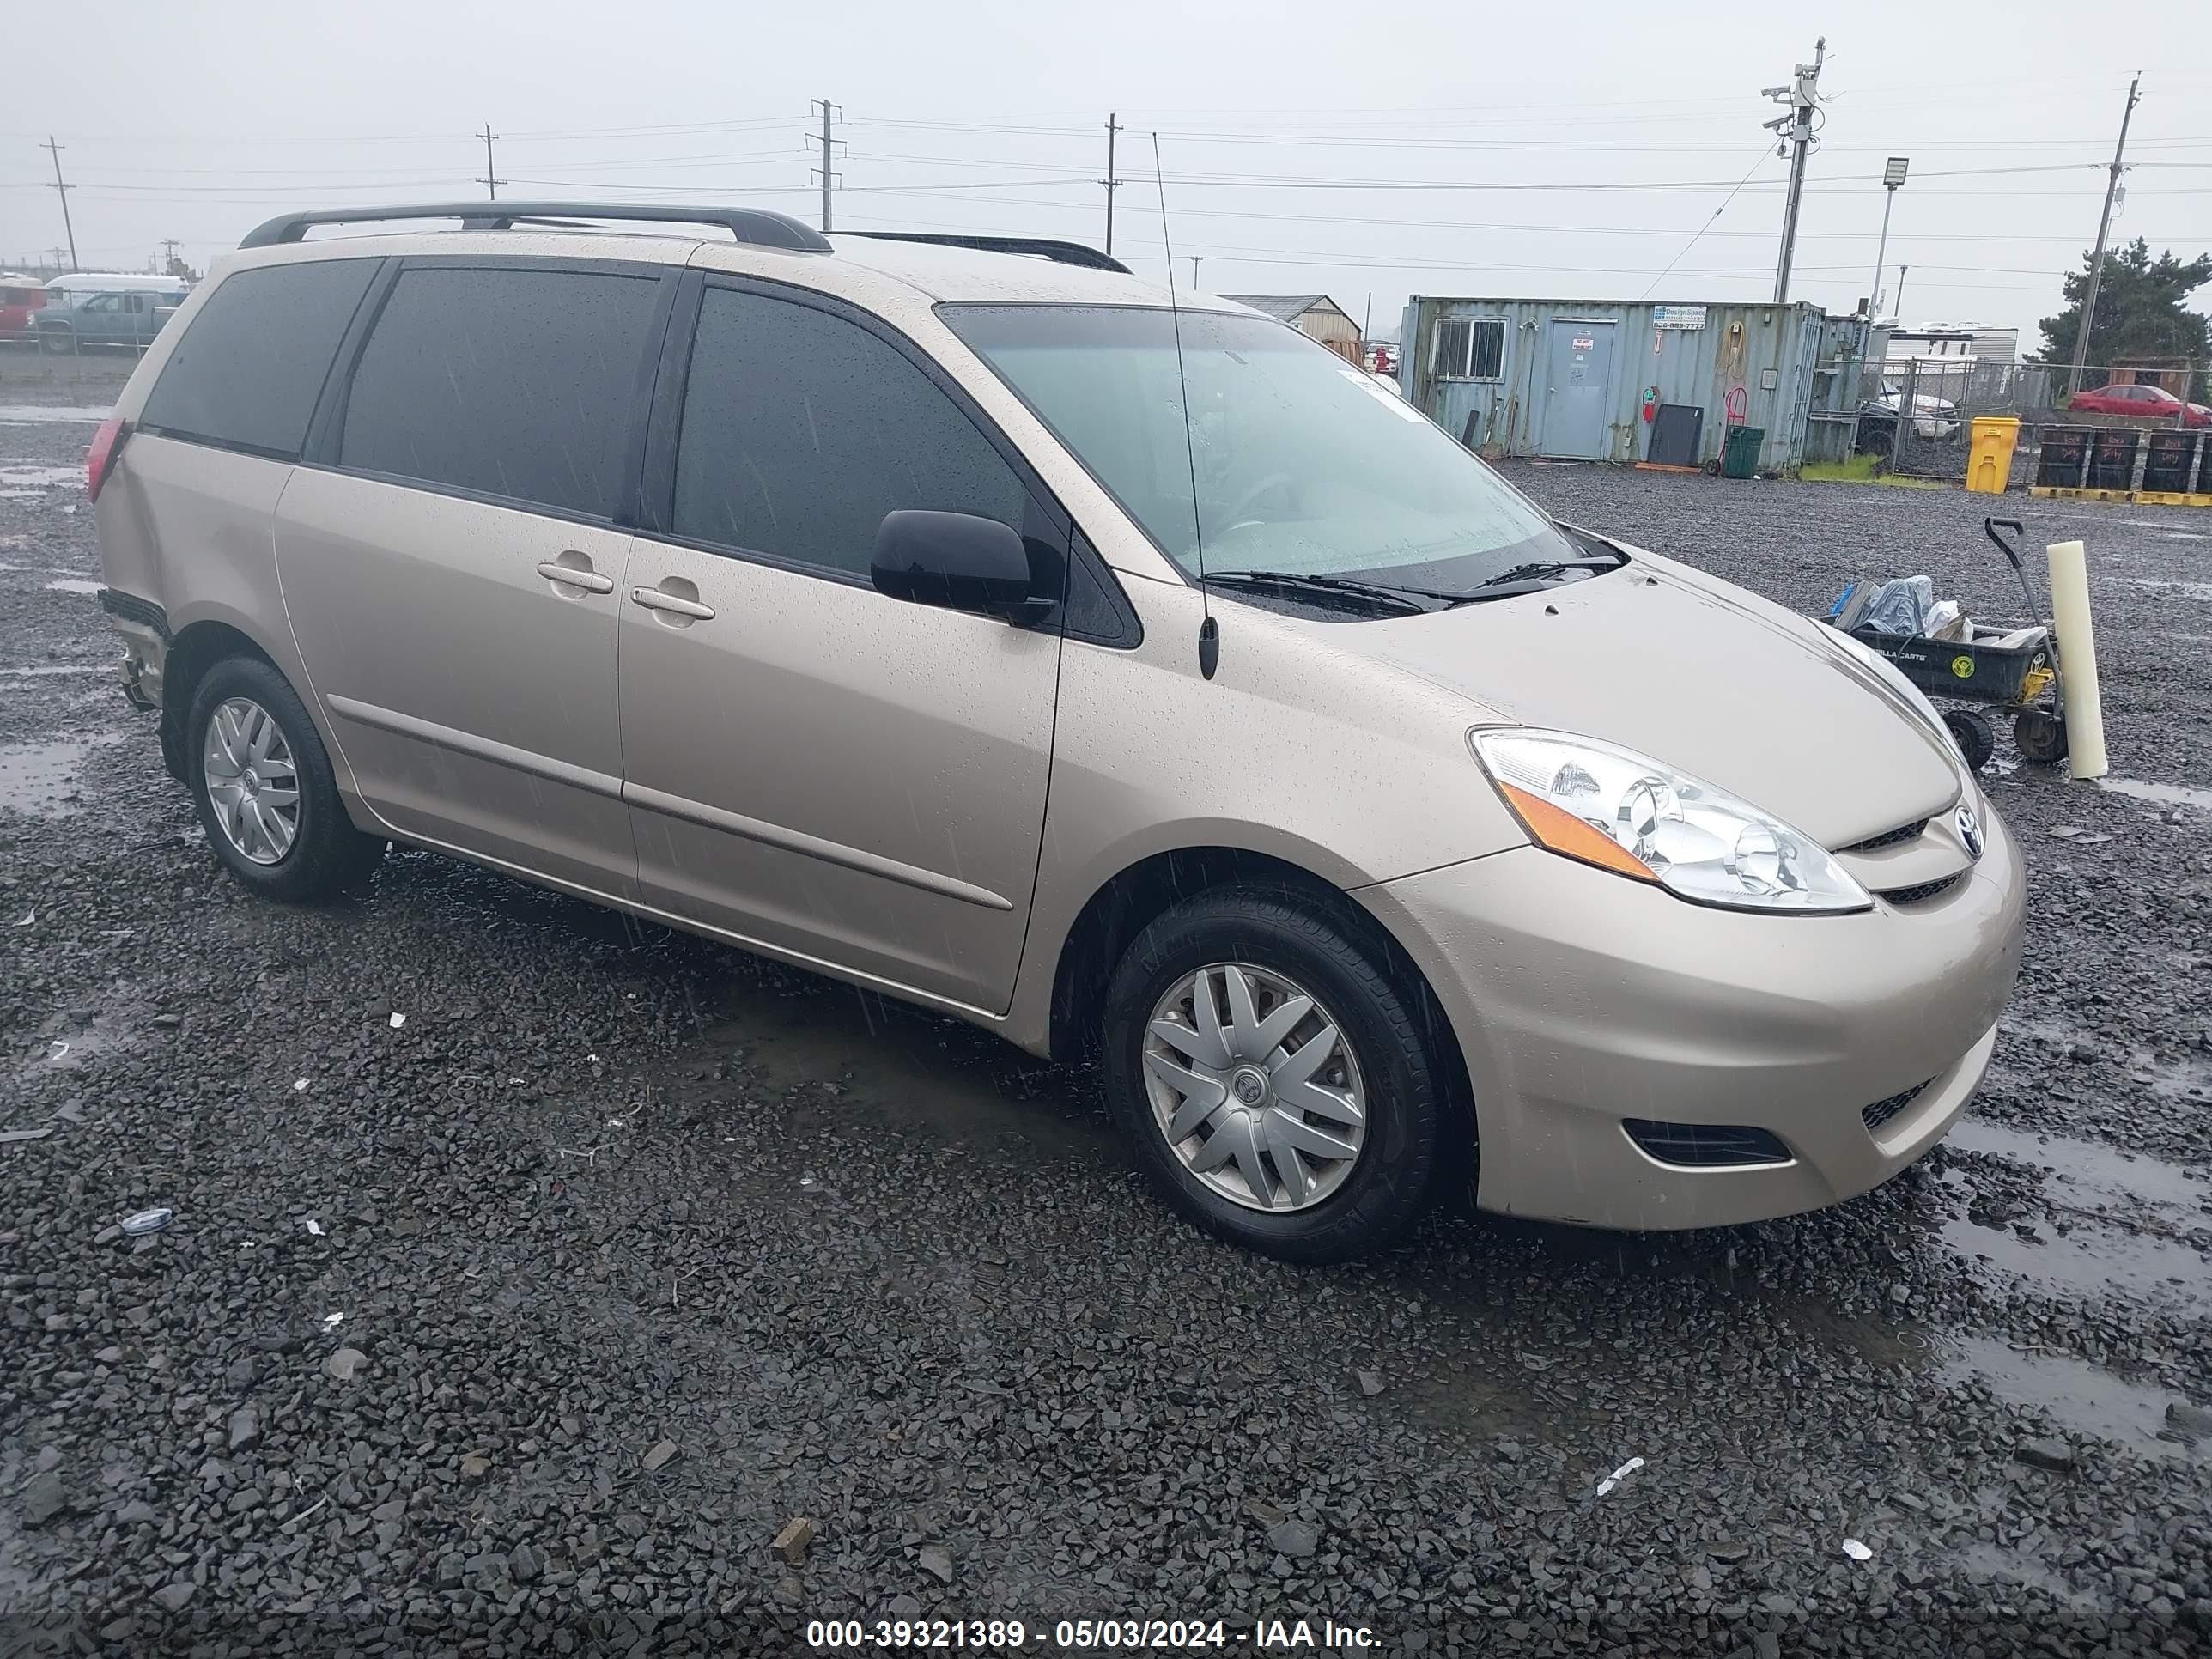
571 576
654 599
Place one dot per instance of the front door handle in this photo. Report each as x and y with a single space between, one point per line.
571 575
654 599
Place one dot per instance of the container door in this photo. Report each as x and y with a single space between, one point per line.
1578 391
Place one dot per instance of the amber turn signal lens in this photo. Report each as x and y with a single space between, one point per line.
1563 832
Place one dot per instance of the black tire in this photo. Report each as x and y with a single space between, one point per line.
59 341
1976 737
2040 735
1394 1178
327 854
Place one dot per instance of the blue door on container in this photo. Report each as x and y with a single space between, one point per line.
1578 391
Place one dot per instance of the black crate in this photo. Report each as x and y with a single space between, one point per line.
2171 460
1959 669
2113 459
2061 453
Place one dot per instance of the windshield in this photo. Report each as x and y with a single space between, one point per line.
1302 464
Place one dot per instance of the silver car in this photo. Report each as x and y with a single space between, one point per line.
957 618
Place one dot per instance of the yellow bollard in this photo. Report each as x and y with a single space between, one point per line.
2077 660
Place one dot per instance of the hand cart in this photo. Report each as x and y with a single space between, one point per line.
2024 679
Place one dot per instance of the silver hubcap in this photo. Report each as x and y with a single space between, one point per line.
250 780
1254 1086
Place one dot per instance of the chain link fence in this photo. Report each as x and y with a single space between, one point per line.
1917 418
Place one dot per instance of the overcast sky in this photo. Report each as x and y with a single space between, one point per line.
1463 149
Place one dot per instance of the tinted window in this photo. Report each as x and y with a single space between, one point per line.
802 430
521 383
250 367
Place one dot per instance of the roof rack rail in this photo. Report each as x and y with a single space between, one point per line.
1042 247
759 226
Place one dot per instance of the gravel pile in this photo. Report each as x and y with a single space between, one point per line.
538 1283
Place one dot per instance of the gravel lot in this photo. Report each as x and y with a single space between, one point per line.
526 1322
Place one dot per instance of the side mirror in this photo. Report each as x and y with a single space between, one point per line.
956 560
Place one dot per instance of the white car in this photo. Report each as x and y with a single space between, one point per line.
1932 418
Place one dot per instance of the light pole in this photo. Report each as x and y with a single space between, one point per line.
1893 177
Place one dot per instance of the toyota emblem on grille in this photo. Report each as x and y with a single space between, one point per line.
1970 831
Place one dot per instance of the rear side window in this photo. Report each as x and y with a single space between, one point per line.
802 430
248 370
517 384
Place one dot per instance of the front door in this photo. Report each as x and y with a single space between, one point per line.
453 572
847 779
1578 386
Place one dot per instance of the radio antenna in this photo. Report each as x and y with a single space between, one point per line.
1209 631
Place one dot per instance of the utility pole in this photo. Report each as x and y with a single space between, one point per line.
490 182
1802 95
1194 270
56 151
1112 183
827 176
2097 259
168 255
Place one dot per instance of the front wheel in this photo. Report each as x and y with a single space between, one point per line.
57 341
1976 739
264 789
1274 1081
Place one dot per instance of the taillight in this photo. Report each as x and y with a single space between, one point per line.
100 459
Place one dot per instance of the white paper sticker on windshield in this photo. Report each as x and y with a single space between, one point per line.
1389 400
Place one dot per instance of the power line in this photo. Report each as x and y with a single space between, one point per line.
1707 226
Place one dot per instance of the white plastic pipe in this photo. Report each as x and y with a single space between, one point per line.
2077 660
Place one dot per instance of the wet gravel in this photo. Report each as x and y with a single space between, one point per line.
530 1272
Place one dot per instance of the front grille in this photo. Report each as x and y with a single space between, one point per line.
1882 1110
1904 832
1923 891
1706 1146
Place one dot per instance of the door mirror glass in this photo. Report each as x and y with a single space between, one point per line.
956 560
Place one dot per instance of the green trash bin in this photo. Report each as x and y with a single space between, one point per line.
1739 452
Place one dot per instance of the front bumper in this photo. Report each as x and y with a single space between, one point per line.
1582 999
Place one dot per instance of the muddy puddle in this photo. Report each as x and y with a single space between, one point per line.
2160 794
842 1055
35 474
45 779
2088 1174
2079 1398
2105 1223
40 414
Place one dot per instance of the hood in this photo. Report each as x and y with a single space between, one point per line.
1696 674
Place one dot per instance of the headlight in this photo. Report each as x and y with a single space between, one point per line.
1617 810
1912 693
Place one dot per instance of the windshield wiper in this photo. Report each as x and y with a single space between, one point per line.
1408 598
1544 569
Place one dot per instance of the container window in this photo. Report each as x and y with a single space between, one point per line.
1470 348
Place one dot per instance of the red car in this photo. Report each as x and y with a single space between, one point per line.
2154 402
19 297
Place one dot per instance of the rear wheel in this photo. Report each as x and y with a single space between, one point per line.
2040 735
1274 1082
264 788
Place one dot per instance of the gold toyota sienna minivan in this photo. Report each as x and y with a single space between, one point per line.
959 617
